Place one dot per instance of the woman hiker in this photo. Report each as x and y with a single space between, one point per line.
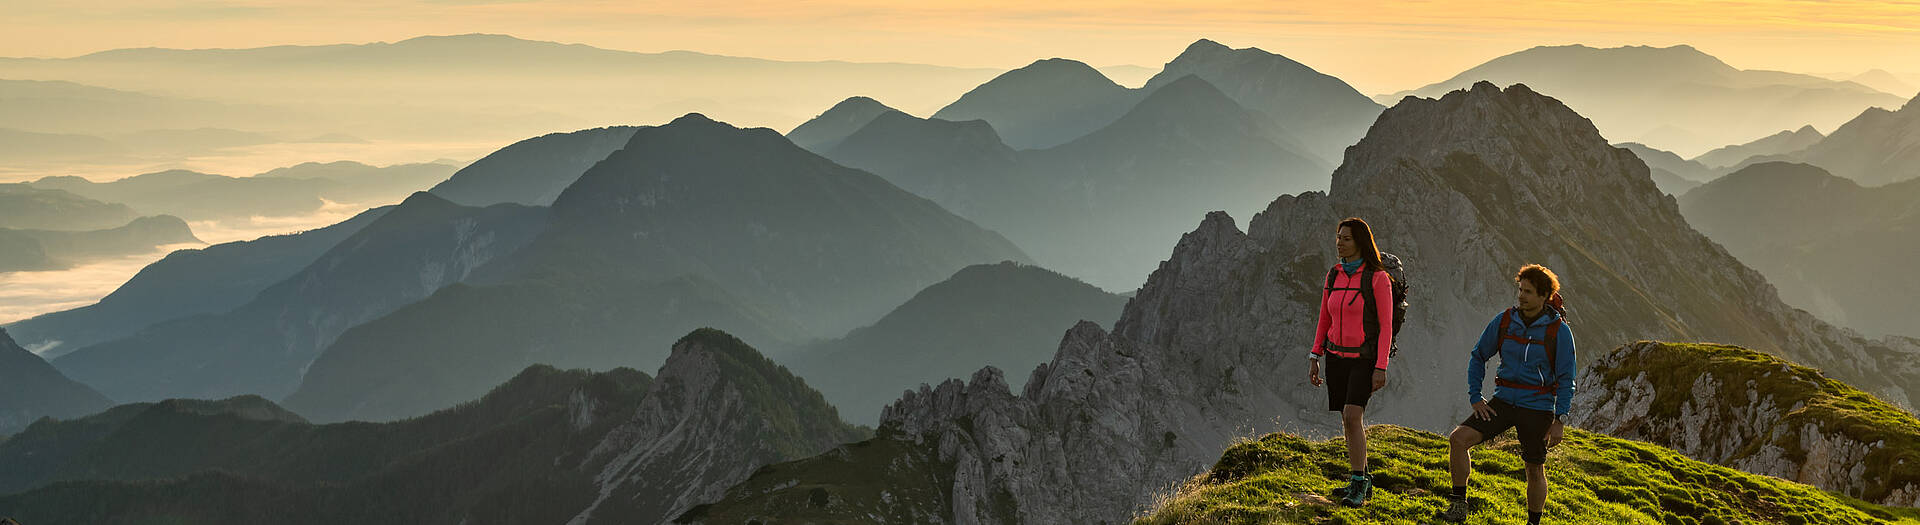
1354 337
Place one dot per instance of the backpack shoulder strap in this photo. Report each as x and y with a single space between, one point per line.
1331 272
1553 352
1366 300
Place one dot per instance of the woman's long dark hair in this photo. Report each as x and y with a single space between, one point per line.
1363 242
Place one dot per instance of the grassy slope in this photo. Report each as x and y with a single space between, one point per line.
1595 479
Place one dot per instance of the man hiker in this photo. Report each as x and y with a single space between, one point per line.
1533 387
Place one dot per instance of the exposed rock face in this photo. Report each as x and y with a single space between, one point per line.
717 411
548 446
1756 413
1465 189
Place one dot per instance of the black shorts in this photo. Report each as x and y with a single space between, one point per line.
1531 424
1349 381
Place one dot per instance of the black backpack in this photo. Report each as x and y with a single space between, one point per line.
1369 319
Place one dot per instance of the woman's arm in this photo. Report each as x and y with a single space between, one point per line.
1326 321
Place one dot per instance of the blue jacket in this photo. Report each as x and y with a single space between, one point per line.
1524 363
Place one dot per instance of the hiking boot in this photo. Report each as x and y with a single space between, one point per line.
1456 510
1359 488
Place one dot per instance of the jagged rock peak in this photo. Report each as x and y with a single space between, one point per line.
1511 128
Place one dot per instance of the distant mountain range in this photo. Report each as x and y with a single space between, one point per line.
184 283
1877 147
1882 80
1005 315
24 207
463 87
1102 206
1046 104
39 250
58 106
1800 225
1782 143
1674 98
264 346
1055 101
290 191
693 223
1321 112
1671 173
31 389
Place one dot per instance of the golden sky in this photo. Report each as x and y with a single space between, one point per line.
1377 46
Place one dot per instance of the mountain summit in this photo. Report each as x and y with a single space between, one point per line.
1325 112
1466 188
1045 104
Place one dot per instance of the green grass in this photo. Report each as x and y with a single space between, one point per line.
1593 478
1805 395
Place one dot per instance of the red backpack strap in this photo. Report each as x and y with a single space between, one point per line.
1505 320
1553 352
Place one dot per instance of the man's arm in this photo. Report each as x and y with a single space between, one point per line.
1483 350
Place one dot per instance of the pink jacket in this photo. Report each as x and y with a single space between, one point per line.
1341 311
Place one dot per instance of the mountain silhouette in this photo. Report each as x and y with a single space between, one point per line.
693 223
532 171
825 131
1005 315
1691 99
264 346
184 283
33 390
1047 103
1788 220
